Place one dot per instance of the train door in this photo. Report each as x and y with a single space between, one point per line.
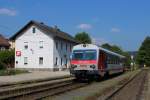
102 61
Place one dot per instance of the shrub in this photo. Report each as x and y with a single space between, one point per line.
12 72
2 65
7 58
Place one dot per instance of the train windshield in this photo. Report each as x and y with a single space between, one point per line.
84 55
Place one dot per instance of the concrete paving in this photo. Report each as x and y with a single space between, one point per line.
33 76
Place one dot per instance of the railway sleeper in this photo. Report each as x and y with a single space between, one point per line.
24 90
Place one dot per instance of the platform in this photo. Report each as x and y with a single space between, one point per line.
33 76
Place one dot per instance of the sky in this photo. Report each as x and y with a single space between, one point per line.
125 23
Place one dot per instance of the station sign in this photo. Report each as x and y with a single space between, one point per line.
18 53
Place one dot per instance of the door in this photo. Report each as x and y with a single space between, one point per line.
102 61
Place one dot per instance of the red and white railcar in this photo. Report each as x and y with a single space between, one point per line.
88 60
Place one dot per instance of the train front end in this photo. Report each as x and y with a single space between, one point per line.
84 61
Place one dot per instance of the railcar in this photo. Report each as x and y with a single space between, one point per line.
92 61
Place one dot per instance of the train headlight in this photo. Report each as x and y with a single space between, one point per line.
92 66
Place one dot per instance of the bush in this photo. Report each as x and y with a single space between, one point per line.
7 58
2 66
12 72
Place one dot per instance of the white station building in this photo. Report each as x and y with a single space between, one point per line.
40 47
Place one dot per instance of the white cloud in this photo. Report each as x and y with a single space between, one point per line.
84 26
8 12
99 41
115 30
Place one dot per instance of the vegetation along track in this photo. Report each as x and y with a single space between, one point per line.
39 90
132 89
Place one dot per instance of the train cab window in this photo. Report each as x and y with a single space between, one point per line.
77 55
84 55
90 55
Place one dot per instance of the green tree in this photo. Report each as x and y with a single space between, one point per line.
128 58
83 37
117 49
143 56
106 46
113 48
7 58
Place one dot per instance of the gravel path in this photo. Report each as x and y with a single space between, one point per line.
133 90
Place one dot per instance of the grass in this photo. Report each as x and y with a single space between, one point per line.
7 72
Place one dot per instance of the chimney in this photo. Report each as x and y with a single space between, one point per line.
41 23
56 28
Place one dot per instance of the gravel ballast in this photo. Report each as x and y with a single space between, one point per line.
95 90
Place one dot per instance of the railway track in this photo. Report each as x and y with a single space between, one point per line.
43 89
39 90
132 89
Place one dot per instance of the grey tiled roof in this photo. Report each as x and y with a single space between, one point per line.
57 33
3 41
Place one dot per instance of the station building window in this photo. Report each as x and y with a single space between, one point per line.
66 61
66 46
70 47
56 61
61 45
25 60
33 30
61 62
25 45
41 60
40 44
56 45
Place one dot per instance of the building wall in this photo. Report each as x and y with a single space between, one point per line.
33 52
12 44
62 51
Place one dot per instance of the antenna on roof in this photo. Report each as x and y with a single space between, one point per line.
56 27
41 23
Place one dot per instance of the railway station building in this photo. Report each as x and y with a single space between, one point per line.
41 47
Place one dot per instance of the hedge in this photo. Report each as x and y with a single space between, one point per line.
7 59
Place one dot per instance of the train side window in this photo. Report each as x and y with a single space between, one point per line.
108 61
